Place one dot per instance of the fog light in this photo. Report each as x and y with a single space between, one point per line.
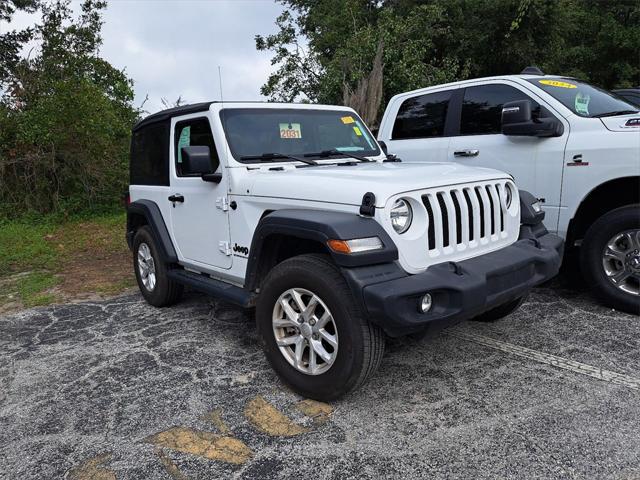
536 207
425 303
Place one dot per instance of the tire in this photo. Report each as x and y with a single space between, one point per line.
500 311
163 291
623 295
360 345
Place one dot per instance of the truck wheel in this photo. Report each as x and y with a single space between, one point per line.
151 273
610 258
500 311
313 333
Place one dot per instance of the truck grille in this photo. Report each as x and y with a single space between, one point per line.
465 215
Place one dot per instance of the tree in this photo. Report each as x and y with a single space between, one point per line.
325 49
65 118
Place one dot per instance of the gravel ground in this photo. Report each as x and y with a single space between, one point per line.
119 389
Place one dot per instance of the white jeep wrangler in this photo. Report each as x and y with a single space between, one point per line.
294 210
575 146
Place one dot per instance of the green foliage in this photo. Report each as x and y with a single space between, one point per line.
322 45
65 119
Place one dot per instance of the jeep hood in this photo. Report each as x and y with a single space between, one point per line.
347 184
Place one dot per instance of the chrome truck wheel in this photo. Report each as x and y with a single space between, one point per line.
621 261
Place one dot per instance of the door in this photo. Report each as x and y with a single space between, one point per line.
199 213
418 131
535 163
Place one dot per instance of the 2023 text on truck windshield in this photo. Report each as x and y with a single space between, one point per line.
262 132
582 98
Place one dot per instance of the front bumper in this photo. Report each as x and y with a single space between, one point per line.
460 291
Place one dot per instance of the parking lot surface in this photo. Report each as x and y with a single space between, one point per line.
119 389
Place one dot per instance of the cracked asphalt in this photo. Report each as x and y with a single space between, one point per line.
119 389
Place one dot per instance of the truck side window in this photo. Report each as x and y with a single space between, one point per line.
422 117
150 155
482 108
190 133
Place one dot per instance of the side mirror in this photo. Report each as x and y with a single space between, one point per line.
518 121
196 160
384 148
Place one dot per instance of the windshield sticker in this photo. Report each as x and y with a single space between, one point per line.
183 141
358 131
347 120
556 83
582 103
290 130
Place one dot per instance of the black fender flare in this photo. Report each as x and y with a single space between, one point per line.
320 226
151 212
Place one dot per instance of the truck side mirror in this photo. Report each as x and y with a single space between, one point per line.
196 160
384 148
517 120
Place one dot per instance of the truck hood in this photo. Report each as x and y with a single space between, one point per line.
623 123
347 184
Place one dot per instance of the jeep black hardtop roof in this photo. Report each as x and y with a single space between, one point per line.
163 115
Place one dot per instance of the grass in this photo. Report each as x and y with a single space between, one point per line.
46 260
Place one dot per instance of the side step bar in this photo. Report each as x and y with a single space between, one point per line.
213 287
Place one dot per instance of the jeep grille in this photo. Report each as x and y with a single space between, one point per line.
462 215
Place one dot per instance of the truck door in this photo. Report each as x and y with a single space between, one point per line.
199 213
535 163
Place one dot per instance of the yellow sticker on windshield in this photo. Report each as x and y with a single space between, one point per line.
557 83
346 120
358 131
290 130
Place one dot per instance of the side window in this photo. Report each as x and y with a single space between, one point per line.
150 155
482 108
422 117
190 133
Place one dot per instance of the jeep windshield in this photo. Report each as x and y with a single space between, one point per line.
288 134
584 99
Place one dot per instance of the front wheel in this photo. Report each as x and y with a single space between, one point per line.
610 258
313 333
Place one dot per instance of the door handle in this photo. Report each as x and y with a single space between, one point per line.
176 198
466 153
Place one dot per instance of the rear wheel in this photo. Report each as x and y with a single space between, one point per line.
500 311
151 273
610 258
313 333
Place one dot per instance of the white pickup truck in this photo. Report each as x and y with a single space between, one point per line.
573 145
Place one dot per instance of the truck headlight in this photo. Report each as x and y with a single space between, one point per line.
401 215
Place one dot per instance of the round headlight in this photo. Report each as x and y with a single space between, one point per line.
401 215
508 195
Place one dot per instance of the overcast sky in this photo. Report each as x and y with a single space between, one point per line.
173 47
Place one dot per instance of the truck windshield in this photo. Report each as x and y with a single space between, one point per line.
267 134
582 98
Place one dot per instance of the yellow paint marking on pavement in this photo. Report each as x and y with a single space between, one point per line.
203 444
168 464
318 411
92 469
268 419
215 417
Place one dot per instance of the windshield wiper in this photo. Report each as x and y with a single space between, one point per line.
275 156
613 114
330 153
